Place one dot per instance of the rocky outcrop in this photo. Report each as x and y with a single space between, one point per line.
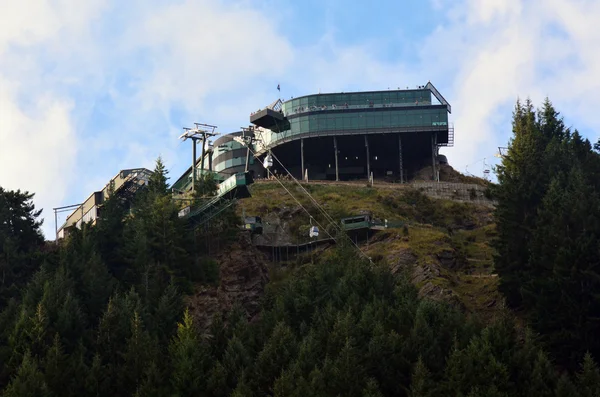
401 259
441 294
243 277
276 229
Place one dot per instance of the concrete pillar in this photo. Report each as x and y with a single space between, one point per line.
400 157
337 175
210 154
302 156
368 158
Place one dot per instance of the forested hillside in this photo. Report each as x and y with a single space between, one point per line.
104 312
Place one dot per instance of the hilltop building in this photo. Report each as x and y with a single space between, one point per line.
390 134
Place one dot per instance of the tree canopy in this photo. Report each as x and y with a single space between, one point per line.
548 221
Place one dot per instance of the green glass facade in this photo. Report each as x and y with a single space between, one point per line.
402 126
358 99
230 154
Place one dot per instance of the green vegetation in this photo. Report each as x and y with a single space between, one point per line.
549 231
103 312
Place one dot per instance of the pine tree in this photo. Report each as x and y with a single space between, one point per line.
138 356
275 356
421 383
20 241
372 389
588 379
108 234
185 352
565 387
543 377
18 220
157 183
169 309
97 382
520 190
57 369
217 381
28 382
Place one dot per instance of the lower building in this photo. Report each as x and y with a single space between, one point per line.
125 184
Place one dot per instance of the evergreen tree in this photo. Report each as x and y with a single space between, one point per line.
520 190
185 351
565 387
138 356
371 389
57 369
543 377
29 381
20 240
588 379
157 183
548 222
421 383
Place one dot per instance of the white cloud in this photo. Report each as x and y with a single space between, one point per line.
37 149
38 143
496 51
202 47
88 88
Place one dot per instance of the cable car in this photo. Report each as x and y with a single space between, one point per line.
314 231
268 161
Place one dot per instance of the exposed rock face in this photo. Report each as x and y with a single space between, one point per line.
275 229
440 294
426 272
447 259
243 276
401 259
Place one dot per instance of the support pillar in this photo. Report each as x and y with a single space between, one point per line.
337 175
302 156
193 164
368 158
56 225
203 149
247 158
210 154
433 146
400 157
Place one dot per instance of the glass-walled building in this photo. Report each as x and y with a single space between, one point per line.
389 134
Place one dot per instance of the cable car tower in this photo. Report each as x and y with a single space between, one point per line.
502 151
486 171
199 133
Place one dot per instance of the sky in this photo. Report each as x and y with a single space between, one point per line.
88 88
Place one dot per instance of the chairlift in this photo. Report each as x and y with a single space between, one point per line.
268 161
314 231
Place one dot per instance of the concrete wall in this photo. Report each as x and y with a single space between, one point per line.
465 192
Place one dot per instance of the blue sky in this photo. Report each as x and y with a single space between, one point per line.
89 88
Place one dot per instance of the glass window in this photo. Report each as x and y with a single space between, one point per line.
331 123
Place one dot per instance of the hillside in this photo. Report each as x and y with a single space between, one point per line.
445 246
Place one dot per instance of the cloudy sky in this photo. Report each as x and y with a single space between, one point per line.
91 87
